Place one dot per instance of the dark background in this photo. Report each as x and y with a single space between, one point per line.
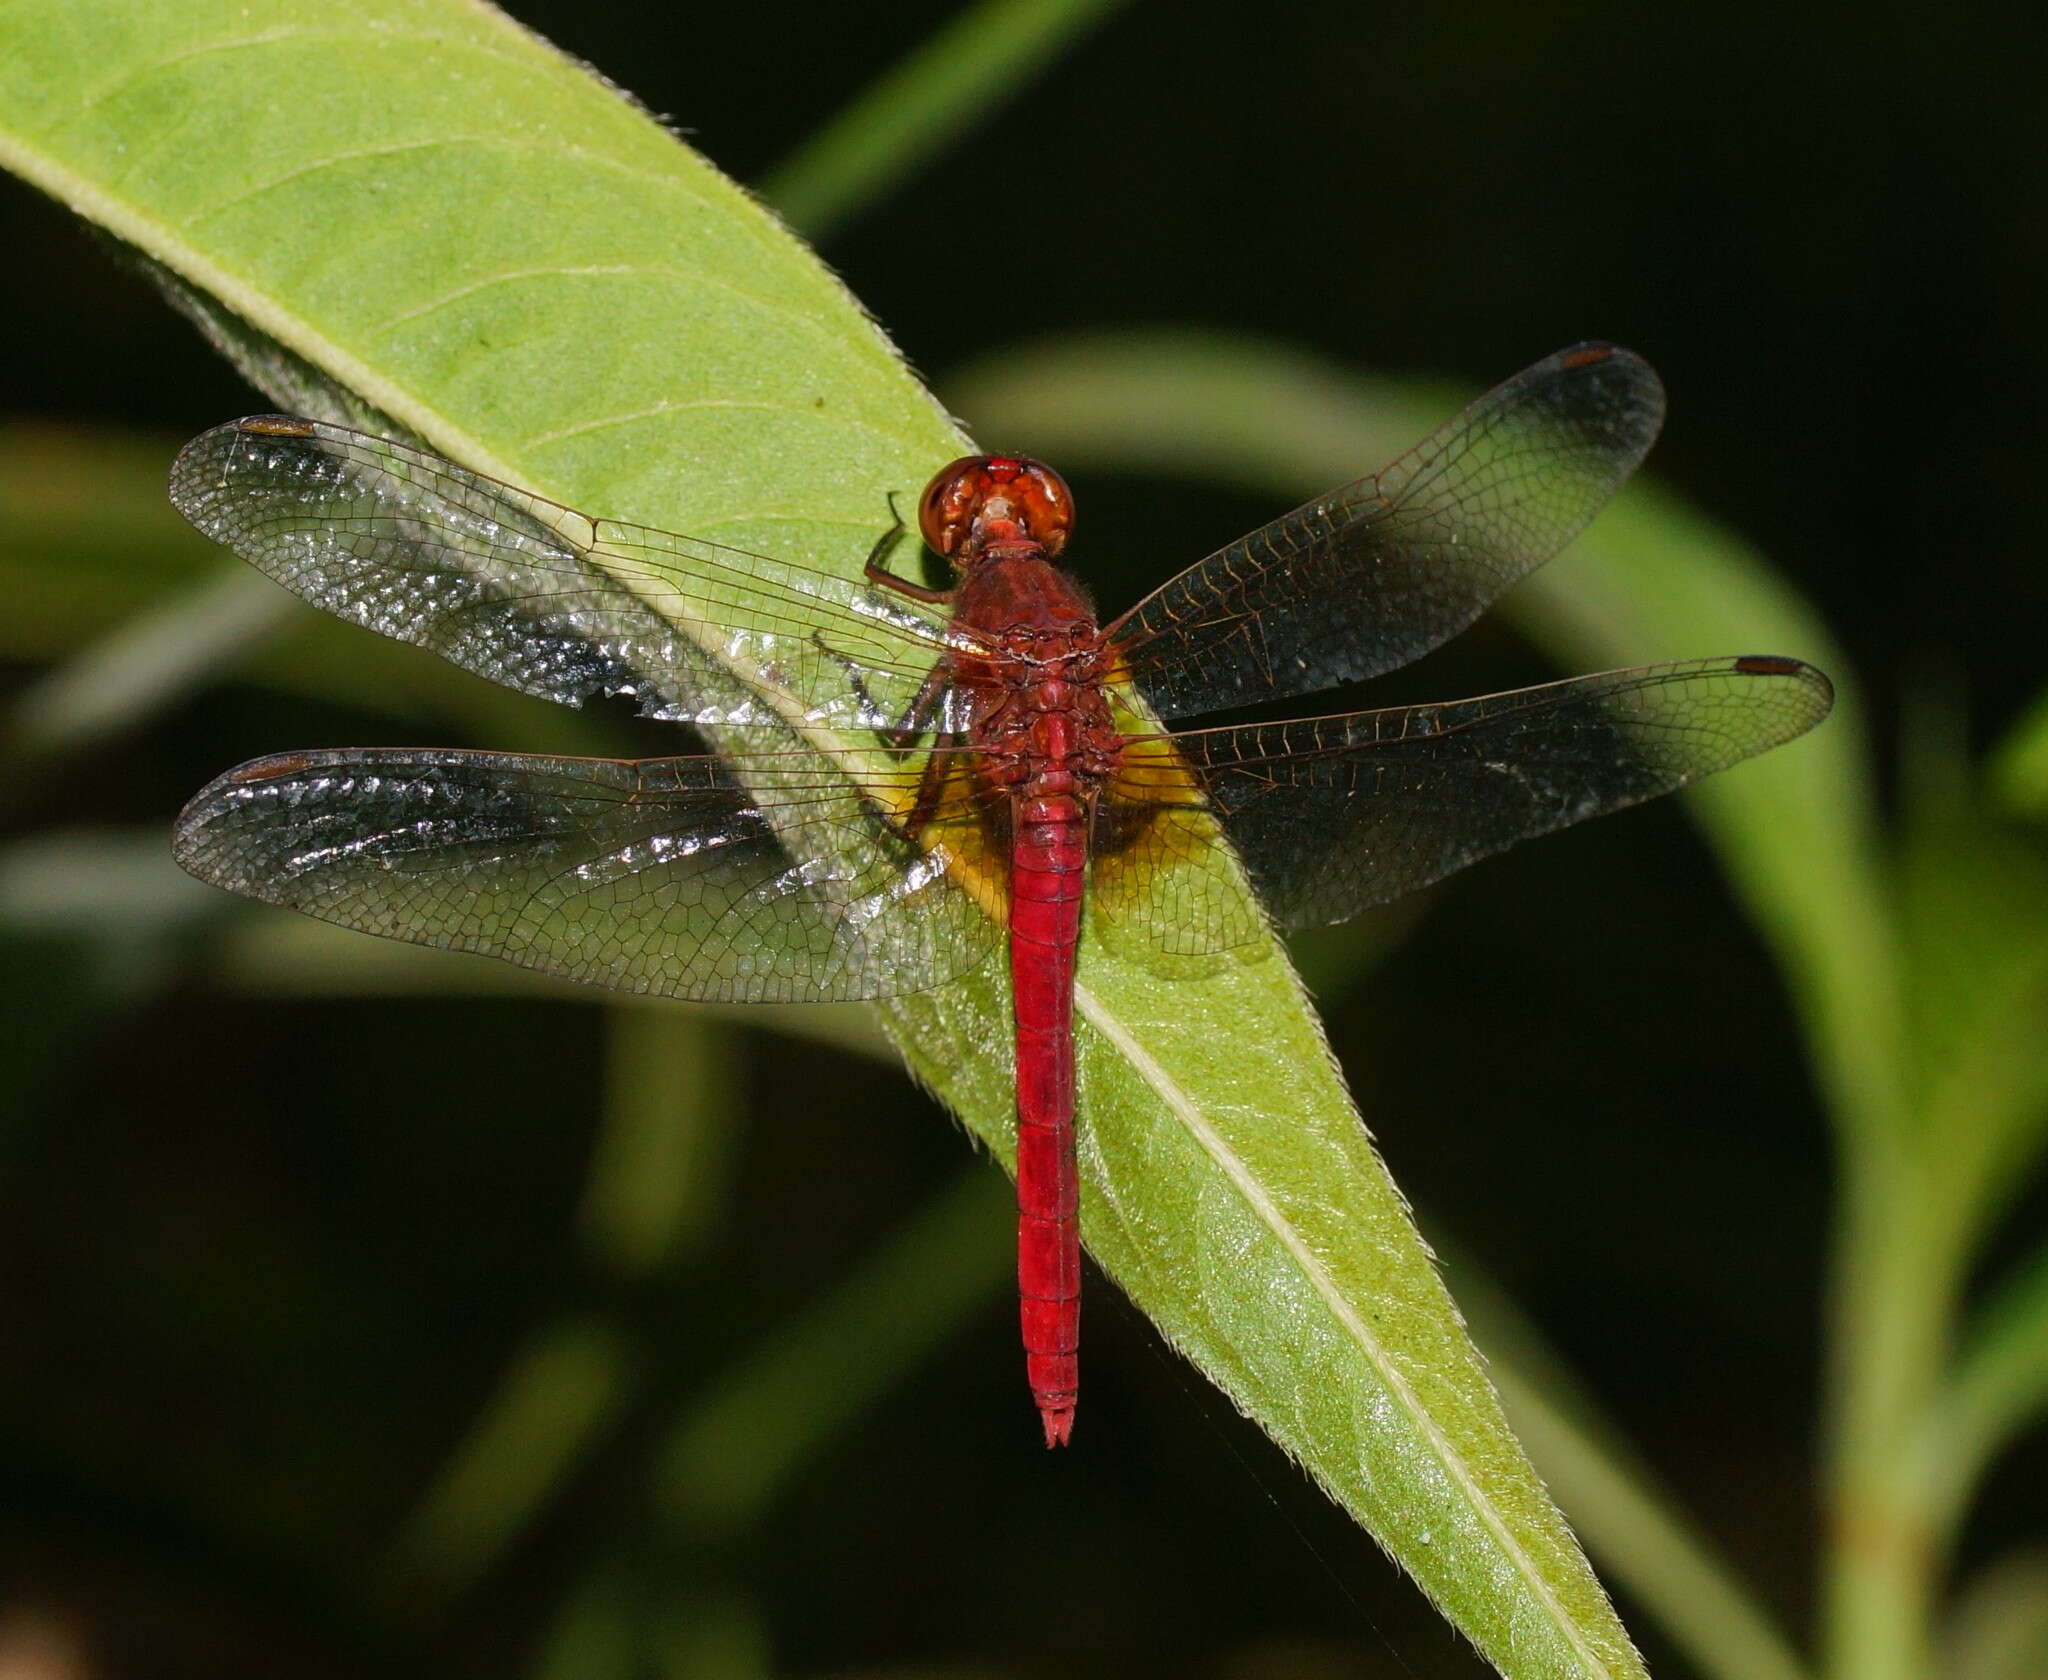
1823 224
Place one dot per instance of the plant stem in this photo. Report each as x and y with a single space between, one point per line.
1897 1281
979 61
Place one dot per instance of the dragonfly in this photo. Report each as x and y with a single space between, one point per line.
912 775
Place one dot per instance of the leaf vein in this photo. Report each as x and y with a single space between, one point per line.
208 49
538 271
654 411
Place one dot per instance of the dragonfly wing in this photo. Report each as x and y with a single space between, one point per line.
1332 815
657 875
1369 577
1160 875
544 599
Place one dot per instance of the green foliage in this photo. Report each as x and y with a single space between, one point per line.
629 332
626 331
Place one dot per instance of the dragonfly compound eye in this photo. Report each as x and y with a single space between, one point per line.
984 499
1044 503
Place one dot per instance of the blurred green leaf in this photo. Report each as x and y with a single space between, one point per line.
1997 1389
2000 1627
655 1182
961 74
2019 766
740 1444
152 659
1985 1104
269 954
546 1414
658 1180
713 1639
518 266
1973 891
115 894
596 1634
1973 894
97 570
86 536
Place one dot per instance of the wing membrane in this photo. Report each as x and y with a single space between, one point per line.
1332 815
1372 576
658 875
544 599
1161 875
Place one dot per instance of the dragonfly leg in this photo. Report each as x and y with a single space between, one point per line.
931 788
882 578
917 716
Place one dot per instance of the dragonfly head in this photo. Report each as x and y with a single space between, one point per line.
985 503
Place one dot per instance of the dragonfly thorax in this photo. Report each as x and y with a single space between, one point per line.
1027 611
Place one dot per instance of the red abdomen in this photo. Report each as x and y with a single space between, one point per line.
1048 867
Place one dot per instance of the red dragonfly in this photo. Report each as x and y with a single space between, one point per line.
910 769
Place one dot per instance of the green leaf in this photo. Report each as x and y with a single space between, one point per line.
965 73
1999 1630
1998 1389
100 574
429 206
2019 766
1973 892
561 1391
739 1445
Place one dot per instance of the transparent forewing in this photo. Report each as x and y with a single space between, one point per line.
1369 577
659 875
1161 875
1331 815
544 599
